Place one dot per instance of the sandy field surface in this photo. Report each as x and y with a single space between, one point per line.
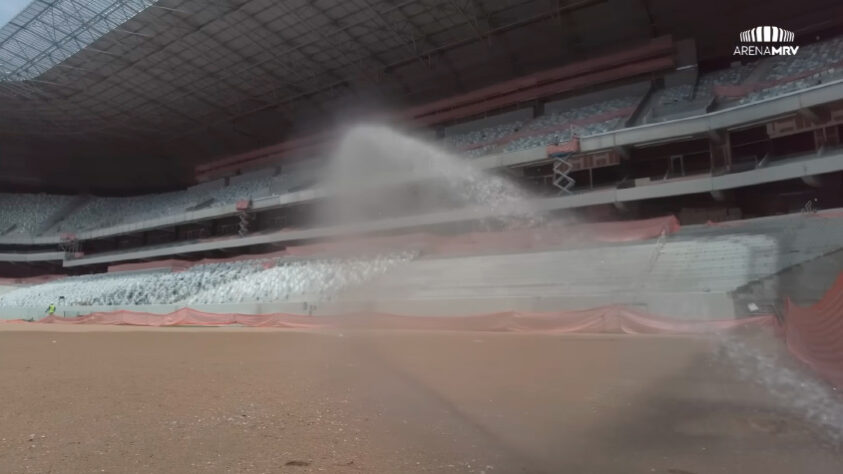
144 400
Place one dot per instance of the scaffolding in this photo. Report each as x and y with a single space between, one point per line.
562 179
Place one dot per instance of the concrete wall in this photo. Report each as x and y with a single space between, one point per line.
31 256
677 305
805 284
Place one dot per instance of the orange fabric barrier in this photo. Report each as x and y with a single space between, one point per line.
831 214
414 241
606 319
30 280
205 261
557 235
168 264
815 333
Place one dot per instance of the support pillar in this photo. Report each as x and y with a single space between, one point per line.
720 149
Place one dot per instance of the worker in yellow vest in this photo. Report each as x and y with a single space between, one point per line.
51 310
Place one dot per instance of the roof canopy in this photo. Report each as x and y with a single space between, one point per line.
46 33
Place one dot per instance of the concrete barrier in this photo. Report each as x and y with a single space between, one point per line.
684 306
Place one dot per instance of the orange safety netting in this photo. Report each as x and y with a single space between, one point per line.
815 333
831 214
605 319
30 280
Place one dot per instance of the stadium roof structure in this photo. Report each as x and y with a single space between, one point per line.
46 33
139 67
136 92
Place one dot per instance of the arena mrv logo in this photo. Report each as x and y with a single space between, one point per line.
766 41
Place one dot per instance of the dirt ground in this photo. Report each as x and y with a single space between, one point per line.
143 400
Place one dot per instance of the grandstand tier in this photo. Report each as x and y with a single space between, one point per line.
694 272
633 131
516 137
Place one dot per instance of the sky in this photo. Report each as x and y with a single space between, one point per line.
10 8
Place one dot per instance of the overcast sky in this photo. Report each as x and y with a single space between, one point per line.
10 8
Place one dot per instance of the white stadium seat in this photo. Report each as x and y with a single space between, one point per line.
24 214
241 281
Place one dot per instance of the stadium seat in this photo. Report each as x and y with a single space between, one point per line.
104 212
725 77
815 64
558 127
25 214
481 136
241 281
